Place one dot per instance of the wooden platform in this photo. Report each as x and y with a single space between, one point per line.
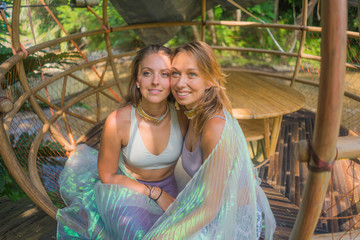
24 220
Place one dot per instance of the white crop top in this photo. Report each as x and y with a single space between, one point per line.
136 154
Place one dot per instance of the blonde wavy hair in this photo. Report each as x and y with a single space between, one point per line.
215 97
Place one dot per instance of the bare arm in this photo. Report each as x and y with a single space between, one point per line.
110 147
114 136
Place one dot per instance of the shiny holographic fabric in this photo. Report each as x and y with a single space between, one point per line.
219 202
100 211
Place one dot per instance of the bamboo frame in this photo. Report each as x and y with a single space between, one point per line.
302 42
94 86
10 116
328 118
51 105
346 147
5 103
108 48
203 19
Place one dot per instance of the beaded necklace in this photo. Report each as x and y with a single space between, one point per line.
191 113
146 116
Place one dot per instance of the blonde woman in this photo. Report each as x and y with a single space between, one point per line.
222 199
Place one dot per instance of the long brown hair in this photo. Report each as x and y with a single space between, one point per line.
134 95
215 97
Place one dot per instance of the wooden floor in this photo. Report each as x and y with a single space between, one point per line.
24 220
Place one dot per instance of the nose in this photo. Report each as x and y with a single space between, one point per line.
180 81
155 80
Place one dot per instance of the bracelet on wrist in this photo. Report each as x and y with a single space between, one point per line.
159 195
150 191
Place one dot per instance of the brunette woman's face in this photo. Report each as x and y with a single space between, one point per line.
154 78
188 83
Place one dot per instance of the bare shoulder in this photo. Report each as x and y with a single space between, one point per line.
118 121
211 133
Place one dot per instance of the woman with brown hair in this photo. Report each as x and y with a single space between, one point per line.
120 191
223 198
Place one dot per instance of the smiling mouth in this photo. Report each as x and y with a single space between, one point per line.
155 91
182 94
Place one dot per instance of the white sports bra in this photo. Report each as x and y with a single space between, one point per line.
136 154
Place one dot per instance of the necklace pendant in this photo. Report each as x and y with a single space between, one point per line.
146 116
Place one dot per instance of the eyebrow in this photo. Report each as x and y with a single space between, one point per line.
165 69
189 69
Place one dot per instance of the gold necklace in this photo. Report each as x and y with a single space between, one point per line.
146 116
191 113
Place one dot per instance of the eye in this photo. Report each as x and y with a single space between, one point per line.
175 74
165 74
146 73
191 74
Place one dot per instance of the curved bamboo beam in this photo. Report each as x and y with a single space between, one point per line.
39 198
36 192
20 176
10 116
15 36
327 122
67 72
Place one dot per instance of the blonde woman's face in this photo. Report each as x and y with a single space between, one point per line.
154 78
188 83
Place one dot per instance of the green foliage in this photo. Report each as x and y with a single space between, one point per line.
79 19
264 11
33 63
8 186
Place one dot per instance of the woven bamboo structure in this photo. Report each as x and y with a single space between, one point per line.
331 96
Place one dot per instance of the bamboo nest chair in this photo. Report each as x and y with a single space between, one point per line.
47 113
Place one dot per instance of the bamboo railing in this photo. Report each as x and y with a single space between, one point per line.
324 145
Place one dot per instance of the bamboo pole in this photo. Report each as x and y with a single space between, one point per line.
203 19
109 50
327 123
302 42
346 147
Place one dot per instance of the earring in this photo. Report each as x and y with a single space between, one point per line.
177 107
137 85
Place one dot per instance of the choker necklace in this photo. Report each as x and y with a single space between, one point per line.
146 116
190 114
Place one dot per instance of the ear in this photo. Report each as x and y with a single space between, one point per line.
209 85
137 84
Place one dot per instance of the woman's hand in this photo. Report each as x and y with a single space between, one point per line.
164 200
